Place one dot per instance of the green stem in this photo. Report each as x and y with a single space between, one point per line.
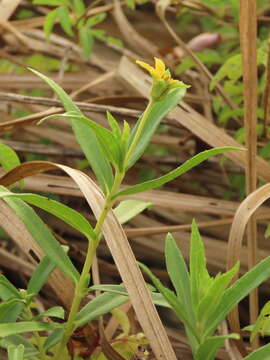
138 132
81 287
29 317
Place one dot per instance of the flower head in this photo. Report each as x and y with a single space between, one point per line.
163 83
158 72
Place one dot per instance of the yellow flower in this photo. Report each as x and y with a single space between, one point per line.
158 72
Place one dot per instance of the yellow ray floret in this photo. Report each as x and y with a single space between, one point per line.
157 72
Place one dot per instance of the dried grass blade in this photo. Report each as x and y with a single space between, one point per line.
248 39
133 38
120 249
242 216
9 221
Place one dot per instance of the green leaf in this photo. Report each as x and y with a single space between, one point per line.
55 311
7 290
43 236
178 273
154 113
240 289
96 19
131 4
10 310
86 41
79 7
263 353
199 277
16 352
212 298
189 164
114 126
123 321
100 305
63 212
29 350
24 327
53 338
40 275
49 22
175 303
108 142
8 157
231 68
85 137
262 323
128 209
65 21
157 298
208 349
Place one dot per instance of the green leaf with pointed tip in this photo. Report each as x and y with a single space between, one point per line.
79 7
212 299
155 112
55 311
10 310
16 352
238 291
65 21
208 349
49 22
263 353
63 212
85 137
100 305
262 323
96 19
189 164
8 290
178 273
175 303
24 327
44 237
114 126
199 277
86 41
108 142
40 275
128 209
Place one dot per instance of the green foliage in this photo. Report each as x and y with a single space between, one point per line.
262 324
128 209
200 301
189 164
110 151
74 21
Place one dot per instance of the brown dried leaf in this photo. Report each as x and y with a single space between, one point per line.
120 250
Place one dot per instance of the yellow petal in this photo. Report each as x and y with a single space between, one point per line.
159 67
146 66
